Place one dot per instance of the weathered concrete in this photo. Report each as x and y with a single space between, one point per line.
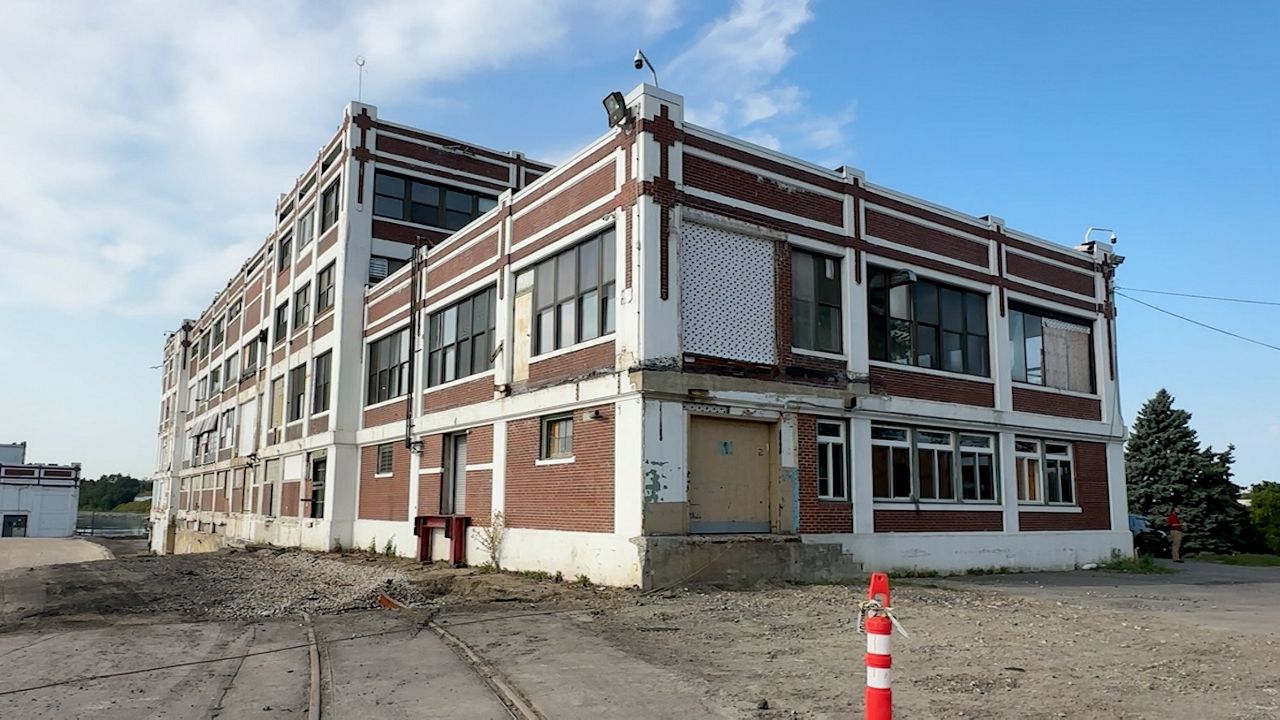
18 553
194 541
568 672
743 560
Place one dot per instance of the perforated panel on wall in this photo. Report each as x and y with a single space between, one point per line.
726 294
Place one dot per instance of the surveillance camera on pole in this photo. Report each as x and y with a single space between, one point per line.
640 61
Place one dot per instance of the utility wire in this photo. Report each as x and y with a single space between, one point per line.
1201 297
1197 322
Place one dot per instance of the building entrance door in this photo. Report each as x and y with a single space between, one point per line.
730 466
14 526
454 492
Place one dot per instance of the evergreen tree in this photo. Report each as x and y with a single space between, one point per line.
1165 467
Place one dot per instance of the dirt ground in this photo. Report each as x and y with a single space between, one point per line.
767 653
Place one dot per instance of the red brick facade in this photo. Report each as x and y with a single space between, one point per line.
928 386
570 496
384 498
575 364
817 516
1081 283
467 393
938 521
920 237
1048 402
699 172
1093 495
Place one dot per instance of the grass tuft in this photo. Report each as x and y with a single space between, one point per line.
1248 559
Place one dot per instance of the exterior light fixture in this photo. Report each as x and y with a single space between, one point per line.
616 107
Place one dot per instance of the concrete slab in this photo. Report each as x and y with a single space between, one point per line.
568 672
17 553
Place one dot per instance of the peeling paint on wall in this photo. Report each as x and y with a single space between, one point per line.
654 475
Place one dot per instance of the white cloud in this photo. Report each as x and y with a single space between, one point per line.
733 79
145 141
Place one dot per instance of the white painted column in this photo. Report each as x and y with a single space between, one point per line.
628 470
789 473
1116 491
860 474
1008 481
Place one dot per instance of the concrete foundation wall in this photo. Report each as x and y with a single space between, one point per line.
606 558
194 541
379 531
743 561
957 552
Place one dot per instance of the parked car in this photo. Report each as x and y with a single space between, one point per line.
1147 540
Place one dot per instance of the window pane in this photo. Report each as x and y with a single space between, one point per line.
424 214
975 306
900 341
827 273
450 363
952 302
952 352
608 308
926 300
838 486
565 285
464 358
928 487
544 284
824 472
1027 446
480 353
1034 353
900 302
608 260
878 324
434 337
388 185
1064 477
946 478
589 313
1017 346
464 318
454 220
986 478
459 201
480 312
926 346
977 355
802 335
588 265
831 430
486 204
1051 482
388 207
929 437
886 433
901 472
975 441
1056 449
1033 480
426 194
450 325
547 330
880 471
829 331
568 328
434 369
802 276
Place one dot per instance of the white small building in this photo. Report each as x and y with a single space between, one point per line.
36 500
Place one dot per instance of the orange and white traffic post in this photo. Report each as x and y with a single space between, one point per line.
875 620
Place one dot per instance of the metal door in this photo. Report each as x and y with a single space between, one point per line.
453 494
730 463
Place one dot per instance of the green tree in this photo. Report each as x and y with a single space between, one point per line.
1165 467
1264 508
108 491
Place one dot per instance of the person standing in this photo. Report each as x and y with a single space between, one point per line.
1175 534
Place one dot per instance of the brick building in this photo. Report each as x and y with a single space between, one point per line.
674 354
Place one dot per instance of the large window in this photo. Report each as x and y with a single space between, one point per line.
460 338
386 459
1044 472
319 476
573 294
301 307
1051 350
388 368
325 289
251 356
557 437
932 465
329 206
927 324
427 203
282 321
815 302
218 333
320 379
297 392
231 369
306 227
285 252
832 478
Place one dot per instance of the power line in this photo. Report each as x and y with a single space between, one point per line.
1201 297
1197 322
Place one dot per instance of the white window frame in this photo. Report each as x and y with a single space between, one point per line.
832 448
378 472
1043 457
891 444
958 451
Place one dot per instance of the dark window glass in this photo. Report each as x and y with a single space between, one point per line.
427 203
815 302
282 322
387 368
320 383
926 324
574 295
557 437
297 391
460 338
386 459
325 289
301 307
329 206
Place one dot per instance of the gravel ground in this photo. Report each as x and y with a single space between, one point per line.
970 654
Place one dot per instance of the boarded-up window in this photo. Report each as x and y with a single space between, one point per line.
727 294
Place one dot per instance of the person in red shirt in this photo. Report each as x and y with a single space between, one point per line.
1175 534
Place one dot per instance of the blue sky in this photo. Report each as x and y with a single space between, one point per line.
144 144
